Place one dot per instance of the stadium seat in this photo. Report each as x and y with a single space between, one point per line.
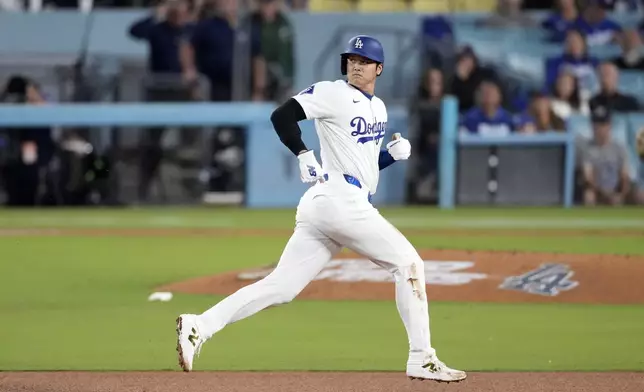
382 5
331 5
431 6
476 5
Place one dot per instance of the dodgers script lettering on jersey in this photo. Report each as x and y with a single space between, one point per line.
350 126
375 130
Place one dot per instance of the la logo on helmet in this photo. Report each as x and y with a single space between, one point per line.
358 43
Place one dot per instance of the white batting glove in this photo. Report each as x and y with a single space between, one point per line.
310 169
399 148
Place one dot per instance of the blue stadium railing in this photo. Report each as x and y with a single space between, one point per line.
271 180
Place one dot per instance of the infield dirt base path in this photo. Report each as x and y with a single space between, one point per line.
313 382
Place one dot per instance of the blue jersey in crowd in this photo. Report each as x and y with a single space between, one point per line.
601 33
476 122
557 26
214 41
584 69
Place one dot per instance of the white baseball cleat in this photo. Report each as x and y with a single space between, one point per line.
189 340
434 369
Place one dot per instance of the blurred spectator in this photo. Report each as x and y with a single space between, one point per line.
430 95
168 79
566 97
432 88
226 166
609 96
31 149
164 31
596 27
276 34
489 118
437 39
83 173
425 107
212 51
631 57
467 77
540 117
508 14
604 164
561 20
576 59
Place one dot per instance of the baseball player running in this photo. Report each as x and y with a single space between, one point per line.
336 211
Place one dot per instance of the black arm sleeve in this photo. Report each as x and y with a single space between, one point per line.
285 119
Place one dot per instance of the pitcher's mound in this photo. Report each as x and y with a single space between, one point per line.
472 276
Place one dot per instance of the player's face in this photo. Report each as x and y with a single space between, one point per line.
362 71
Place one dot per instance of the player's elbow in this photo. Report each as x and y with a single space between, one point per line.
280 122
277 117
285 119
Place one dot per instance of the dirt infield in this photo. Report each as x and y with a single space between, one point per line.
469 276
313 382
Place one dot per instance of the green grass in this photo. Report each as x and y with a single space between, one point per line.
490 219
81 302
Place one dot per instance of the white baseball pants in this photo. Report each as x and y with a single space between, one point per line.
330 216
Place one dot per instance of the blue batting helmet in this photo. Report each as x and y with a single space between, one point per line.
365 46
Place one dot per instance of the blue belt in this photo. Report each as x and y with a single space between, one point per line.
351 180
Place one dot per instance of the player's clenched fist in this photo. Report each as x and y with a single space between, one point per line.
399 148
310 169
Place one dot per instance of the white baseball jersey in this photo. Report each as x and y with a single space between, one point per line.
335 214
351 126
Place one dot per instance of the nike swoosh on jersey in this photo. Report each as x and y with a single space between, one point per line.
354 101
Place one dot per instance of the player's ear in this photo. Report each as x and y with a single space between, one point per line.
378 69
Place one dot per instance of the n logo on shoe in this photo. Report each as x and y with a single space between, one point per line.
431 366
193 337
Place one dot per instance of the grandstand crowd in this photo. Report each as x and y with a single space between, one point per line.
576 84
193 40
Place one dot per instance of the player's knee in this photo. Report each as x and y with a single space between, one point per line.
417 269
411 258
413 275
